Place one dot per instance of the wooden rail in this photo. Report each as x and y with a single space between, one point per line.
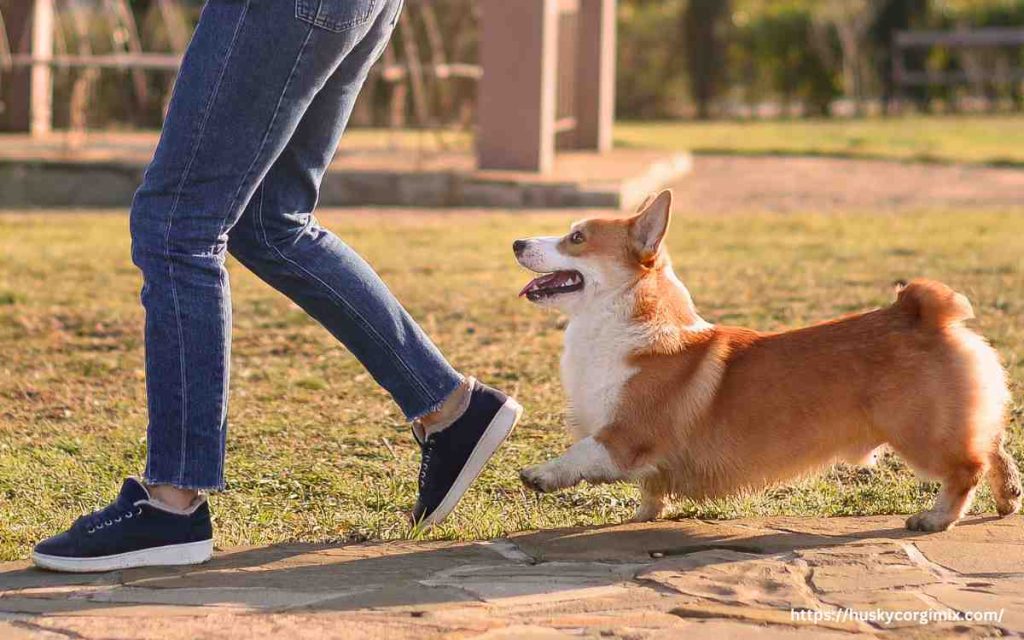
144 61
26 72
171 62
974 39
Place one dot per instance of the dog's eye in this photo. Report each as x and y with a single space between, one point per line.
576 237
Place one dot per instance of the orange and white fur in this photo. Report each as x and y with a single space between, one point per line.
661 397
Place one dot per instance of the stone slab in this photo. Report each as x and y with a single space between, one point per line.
970 529
863 567
967 600
734 577
635 542
978 558
524 632
760 617
722 630
105 169
25 630
22 575
547 582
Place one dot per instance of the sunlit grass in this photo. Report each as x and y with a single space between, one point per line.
997 139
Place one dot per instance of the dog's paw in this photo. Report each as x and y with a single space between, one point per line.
642 515
649 511
537 479
930 521
1008 506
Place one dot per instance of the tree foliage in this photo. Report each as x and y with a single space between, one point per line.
799 55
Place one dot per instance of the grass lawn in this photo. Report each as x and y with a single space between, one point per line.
318 453
972 139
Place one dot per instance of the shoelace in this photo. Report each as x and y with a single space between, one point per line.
427 450
105 517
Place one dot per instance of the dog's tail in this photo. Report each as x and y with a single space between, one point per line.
932 303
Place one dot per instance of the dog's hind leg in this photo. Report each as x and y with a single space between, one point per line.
954 499
1004 480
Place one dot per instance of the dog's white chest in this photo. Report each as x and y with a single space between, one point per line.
594 370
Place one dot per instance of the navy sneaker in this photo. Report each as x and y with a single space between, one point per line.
133 531
455 456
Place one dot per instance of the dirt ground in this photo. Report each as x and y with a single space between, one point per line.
736 184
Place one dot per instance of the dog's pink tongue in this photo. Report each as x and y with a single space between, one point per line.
530 286
538 283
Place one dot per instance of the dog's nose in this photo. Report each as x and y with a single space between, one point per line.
518 246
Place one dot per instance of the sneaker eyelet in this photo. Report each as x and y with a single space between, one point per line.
139 512
117 519
107 523
129 515
90 530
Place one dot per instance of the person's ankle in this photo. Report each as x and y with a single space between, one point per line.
174 497
450 410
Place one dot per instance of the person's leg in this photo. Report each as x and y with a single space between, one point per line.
280 240
249 76
250 73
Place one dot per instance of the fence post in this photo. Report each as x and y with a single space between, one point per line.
14 83
27 92
518 52
42 73
899 70
595 82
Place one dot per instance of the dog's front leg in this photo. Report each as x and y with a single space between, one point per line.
587 460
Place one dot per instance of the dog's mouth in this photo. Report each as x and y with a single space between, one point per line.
552 284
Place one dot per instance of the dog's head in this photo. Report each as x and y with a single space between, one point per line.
597 258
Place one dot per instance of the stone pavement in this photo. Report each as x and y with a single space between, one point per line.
692 579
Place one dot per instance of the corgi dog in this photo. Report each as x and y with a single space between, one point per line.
660 397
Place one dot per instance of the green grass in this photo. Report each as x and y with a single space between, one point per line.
972 139
317 452
995 140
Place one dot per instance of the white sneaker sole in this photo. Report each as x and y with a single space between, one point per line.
500 427
170 555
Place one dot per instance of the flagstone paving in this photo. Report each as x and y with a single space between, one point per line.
693 579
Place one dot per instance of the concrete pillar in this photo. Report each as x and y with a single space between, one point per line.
595 80
516 111
28 91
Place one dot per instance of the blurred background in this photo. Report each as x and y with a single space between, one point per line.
731 59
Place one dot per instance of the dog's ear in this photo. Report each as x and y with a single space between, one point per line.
647 229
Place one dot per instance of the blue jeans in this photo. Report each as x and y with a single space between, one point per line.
262 98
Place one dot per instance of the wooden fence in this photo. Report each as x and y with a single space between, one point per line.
549 81
1008 40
